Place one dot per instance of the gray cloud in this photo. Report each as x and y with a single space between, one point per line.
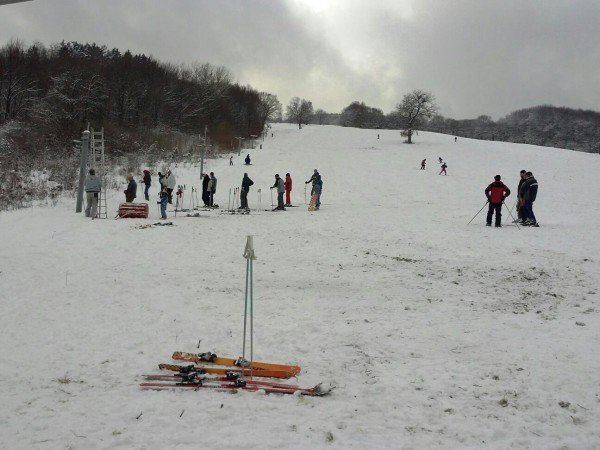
477 57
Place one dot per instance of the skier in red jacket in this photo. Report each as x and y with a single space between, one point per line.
288 190
496 192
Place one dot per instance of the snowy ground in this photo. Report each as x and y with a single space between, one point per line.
437 334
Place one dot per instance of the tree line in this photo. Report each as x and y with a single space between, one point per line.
544 125
58 90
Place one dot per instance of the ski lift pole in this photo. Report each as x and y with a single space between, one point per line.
249 256
259 199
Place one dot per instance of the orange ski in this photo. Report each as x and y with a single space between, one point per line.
221 361
267 373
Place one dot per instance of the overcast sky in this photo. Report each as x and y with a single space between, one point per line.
476 56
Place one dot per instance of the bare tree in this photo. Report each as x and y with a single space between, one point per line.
269 108
299 111
415 107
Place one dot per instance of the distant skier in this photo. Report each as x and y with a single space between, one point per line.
231 160
93 186
288 189
455 138
423 164
247 159
147 180
440 160
131 191
496 192
528 193
246 183
444 167
279 184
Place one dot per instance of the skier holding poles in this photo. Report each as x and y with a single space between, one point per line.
496 192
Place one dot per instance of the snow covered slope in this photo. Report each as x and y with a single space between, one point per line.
437 334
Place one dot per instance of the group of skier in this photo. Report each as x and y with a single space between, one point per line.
443 165
283 187
496 192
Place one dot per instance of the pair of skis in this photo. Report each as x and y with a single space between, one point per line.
195 379
228 374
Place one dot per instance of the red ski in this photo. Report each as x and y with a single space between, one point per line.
235 386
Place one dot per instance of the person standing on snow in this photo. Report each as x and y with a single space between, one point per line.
171 184
443 171
288 189
313 180
246 183
231 160
528 193
279 184
496 192
147 180
205 193
318 190
131 191
423 164
440 160
520 215
247 159
93 185
212 189
164 200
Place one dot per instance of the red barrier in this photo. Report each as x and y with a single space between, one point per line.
133 210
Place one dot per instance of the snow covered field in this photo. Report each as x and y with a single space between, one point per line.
437 334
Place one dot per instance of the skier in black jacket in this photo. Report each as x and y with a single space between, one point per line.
246 183
528 194
205 193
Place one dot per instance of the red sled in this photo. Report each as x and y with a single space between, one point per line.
133 210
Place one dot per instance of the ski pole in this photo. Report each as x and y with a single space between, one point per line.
229 200
513 217
478 212
305 193
272 206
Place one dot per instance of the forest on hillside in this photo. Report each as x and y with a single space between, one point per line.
148 109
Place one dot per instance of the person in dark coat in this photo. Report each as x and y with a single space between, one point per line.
131 191
444 167
205 193
423 164
496 192
318 190
147 180
212 189
520 212
528 194
246 183
313 180
247 160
